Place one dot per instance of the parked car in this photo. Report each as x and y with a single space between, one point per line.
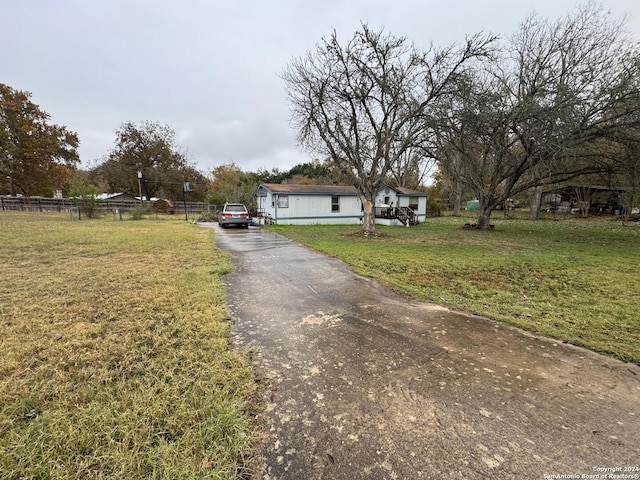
234 214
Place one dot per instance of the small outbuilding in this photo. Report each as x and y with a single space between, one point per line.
287 204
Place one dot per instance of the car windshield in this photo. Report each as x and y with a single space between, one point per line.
235 208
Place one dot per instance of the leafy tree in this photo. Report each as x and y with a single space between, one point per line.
231 184
36 157
274 175
199 185
85 196
363 105
314 173
225 186
151 149
541 109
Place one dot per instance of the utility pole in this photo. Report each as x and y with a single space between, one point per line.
140 185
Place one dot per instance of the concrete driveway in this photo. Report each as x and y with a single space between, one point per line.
366 384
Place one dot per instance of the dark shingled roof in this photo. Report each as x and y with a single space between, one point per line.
408 191
310 189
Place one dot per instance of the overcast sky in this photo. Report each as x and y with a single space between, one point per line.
210 68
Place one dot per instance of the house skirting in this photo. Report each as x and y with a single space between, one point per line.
320 220
331 220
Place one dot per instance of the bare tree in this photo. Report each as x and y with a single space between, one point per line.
365 104
582 196
539 112
628 157
412 168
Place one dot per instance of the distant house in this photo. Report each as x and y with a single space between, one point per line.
336 204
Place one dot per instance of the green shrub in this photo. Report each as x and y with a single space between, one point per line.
139 212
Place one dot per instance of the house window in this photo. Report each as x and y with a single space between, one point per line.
335 203
413 203
283 201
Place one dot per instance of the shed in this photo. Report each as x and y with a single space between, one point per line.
473 205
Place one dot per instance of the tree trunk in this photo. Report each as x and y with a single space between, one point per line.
535 201
484 219
368 218
457 198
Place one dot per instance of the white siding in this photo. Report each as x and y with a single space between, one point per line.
316 209
393 197
310 209
402 201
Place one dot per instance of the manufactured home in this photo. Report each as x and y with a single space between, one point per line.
286 204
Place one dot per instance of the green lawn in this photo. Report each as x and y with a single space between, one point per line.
115 359
574 280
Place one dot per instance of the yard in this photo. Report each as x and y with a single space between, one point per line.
575 280
116 360
115 357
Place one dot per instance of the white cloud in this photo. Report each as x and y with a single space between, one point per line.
251 144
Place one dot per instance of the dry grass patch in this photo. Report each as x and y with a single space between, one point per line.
115 357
